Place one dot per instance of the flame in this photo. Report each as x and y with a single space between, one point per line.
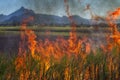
56 48
22 48
31 41
45 49
115 33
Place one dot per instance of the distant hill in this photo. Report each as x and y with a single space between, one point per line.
17 17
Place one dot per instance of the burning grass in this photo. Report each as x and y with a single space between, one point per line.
64 59
99 66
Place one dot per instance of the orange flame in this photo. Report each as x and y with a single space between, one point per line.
111 18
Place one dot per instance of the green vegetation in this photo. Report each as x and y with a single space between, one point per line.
56 31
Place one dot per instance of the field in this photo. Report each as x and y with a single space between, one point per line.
47 62
57 31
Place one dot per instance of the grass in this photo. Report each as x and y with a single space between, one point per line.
51 28
92 67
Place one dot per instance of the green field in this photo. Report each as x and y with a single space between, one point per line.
57 31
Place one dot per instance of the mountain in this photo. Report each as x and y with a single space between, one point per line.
17 17
2 17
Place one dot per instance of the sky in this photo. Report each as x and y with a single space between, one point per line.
57 7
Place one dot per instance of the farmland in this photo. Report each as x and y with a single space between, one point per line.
57 31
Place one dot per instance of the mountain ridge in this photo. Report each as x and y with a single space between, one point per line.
17 17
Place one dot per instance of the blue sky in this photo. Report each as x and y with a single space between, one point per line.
56 7
8 6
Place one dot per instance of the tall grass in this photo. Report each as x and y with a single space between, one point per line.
99 66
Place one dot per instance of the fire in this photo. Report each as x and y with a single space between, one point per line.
23 37
56 48
31 41
40 49
45 49
115 33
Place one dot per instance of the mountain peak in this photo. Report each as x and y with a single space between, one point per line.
2 15
22 8
22 11
25 10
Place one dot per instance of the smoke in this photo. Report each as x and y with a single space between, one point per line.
46 6
100 7
55 7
